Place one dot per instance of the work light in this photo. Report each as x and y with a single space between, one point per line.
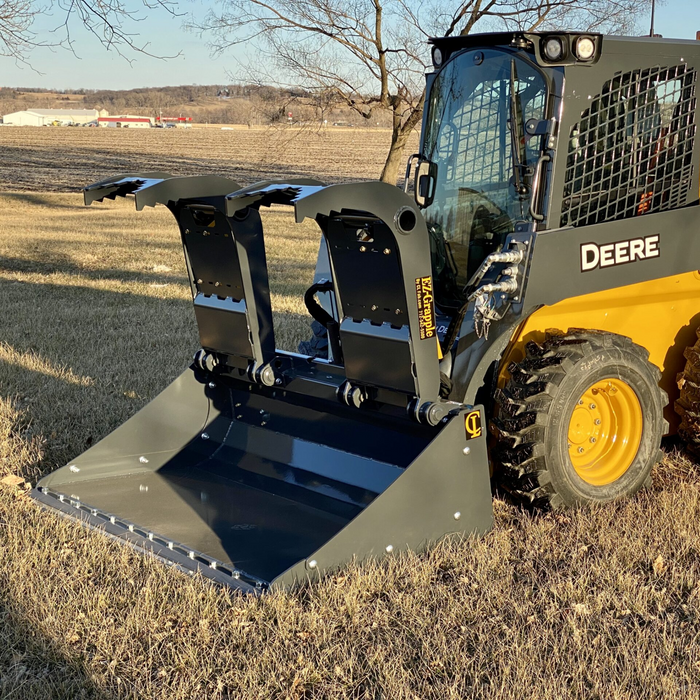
554 49
585 48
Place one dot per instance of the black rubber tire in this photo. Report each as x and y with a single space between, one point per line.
317 345
533 411
688 404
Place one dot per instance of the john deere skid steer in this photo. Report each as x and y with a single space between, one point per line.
520 318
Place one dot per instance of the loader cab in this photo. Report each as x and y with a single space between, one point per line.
489 109
546 130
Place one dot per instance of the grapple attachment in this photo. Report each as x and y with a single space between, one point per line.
260 467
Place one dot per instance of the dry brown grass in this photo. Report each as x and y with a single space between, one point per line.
594 603
66 159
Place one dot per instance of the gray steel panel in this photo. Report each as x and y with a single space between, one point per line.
223 326
556 273
379 355
418 509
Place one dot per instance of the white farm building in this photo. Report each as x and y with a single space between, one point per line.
46 117
125 121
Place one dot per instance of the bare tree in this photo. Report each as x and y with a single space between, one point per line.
110 21
372 54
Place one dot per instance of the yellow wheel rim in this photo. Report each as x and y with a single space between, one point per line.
605 431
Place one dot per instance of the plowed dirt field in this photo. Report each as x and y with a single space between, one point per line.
65 159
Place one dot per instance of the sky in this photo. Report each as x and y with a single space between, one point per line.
96 68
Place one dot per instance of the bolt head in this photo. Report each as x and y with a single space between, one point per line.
312 564
143 460
363 248
212 385
217 284
389 548
466 450
386 251
457 515
278 381
199 281
374 307
205 436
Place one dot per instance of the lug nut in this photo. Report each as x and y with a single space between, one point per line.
580 402
597 421
580 450
592 439
592 406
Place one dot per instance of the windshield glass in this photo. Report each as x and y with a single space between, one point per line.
468 136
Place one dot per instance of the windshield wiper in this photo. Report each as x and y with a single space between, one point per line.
516 135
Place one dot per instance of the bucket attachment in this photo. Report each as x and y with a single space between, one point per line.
259 467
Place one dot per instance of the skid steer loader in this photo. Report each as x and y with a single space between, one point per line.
521 318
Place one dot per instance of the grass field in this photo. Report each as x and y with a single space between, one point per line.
592 603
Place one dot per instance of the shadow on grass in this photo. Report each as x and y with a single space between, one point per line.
36 200
34 666
83 360
69 267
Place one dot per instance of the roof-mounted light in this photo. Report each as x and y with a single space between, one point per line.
437 57
554 48
584 48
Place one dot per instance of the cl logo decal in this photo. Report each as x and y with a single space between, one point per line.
472 424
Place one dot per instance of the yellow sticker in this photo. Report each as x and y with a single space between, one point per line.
472 423
426 307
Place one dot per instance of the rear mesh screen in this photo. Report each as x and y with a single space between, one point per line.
631 153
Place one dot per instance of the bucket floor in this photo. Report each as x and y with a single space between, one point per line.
255 530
